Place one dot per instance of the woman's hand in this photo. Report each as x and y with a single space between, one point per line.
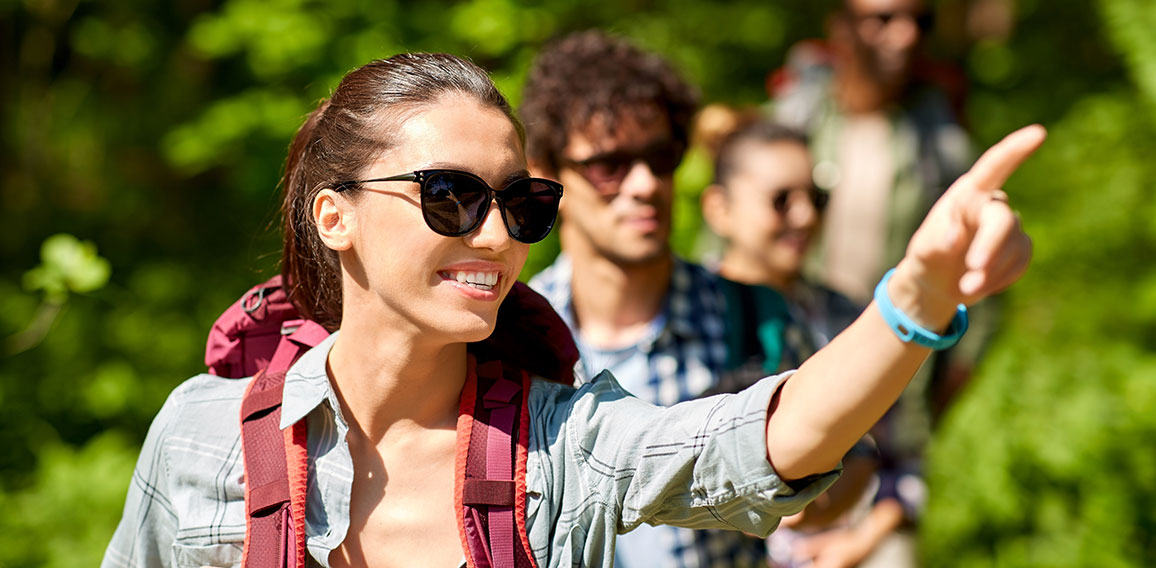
971 244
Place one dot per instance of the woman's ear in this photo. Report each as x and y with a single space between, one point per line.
716 210
335 220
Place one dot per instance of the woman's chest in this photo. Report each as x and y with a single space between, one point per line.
402 510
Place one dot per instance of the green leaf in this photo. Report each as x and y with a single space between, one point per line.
68 265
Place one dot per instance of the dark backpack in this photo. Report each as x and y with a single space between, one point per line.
763 337
261 335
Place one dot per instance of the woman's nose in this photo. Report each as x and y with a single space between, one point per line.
802 211
492 233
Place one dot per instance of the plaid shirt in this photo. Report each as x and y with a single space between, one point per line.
684 358
600 462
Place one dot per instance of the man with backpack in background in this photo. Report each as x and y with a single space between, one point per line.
611 123
886 132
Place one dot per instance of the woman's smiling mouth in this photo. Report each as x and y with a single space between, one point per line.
480 280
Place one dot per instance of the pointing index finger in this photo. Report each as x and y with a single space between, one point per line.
997 164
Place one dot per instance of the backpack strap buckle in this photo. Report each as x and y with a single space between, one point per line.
252 301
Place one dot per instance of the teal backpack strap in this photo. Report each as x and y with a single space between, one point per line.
774 318
757 318
740 328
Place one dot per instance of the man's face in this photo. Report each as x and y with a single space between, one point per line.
619 185
886 34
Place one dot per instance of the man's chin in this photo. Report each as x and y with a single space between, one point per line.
893 70
639 253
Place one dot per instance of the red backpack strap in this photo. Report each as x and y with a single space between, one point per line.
276 461
521 454
490 491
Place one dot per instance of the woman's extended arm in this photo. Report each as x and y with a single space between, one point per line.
970 245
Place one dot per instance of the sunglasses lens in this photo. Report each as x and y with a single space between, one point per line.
529 207
819 199
605 172
925 21
664 160
610 168
780 201
453 204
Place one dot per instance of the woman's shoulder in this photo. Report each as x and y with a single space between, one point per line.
209 389
198 433
205 408
598 401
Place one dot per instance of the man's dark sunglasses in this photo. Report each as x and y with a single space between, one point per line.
923 20
605 171
454 203
781 201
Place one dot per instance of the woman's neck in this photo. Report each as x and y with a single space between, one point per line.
385 378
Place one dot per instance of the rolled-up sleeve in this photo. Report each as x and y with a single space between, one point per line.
698 464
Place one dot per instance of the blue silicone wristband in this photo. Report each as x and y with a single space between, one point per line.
911 332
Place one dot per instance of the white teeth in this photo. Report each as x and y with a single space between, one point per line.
480 280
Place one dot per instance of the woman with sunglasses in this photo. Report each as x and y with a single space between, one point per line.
767 210
765 206
392 242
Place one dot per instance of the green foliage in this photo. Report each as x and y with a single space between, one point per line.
156 132
64 519
67 265
1050 458
1130 25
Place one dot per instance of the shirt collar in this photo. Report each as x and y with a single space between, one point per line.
307 384
686 280
555 285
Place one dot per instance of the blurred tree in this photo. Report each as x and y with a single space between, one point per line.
1050 460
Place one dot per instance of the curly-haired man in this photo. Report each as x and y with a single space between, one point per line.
610 122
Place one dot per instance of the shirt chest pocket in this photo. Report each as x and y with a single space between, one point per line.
226 554
208 495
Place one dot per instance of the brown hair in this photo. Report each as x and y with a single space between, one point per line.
340 138
591 75
762 132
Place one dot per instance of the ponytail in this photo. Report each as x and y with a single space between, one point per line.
311 270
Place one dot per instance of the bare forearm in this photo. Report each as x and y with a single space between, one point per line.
837 395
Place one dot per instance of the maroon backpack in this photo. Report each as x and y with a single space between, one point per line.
261 335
